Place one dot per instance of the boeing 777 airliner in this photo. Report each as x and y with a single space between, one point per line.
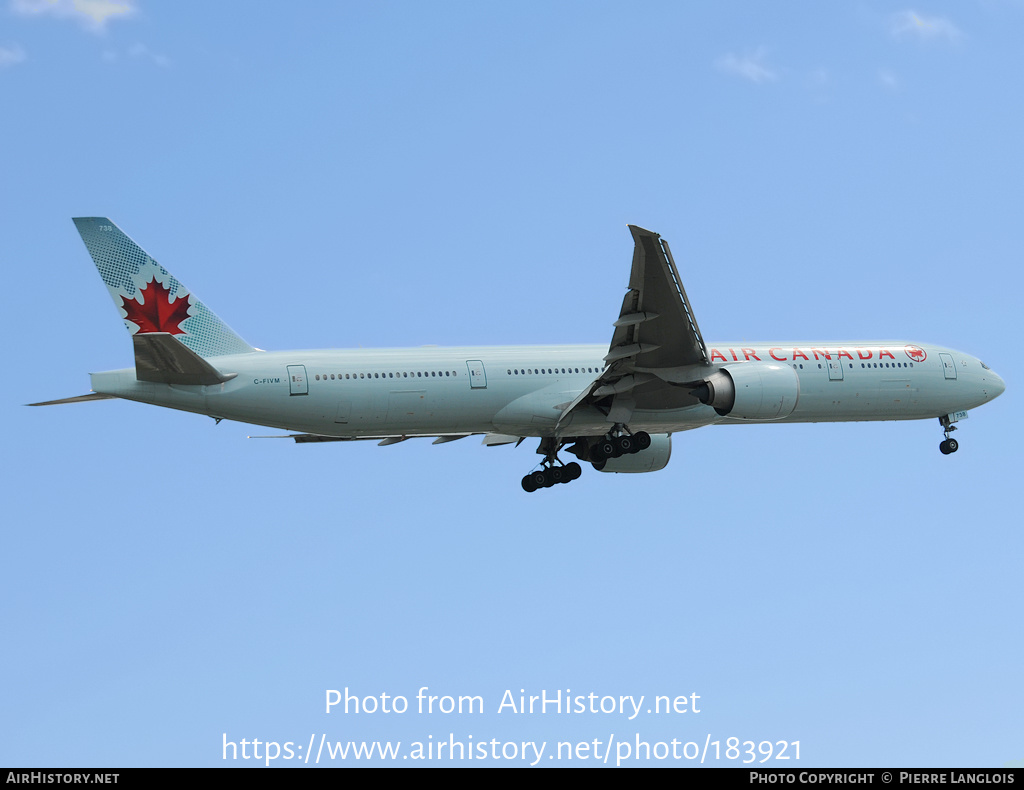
613 406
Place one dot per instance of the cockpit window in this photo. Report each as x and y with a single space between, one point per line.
985 366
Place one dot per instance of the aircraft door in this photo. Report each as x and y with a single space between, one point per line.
477 374
298 384
948 366
835 369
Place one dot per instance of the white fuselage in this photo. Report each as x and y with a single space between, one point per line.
523 390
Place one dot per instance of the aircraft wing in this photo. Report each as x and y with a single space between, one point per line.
656 327
657 348
490 439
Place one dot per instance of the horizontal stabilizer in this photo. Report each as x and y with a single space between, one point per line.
76 399
306 438
162 359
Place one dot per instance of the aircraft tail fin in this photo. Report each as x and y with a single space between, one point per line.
149 298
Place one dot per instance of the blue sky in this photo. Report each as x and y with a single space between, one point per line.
395 174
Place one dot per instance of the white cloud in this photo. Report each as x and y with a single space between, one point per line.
819 78
888 79
907 24
10 56
94 14
750 66
142 51
136 52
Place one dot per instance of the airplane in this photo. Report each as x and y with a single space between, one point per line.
613 406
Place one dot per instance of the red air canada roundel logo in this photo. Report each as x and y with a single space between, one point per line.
156 313
916 353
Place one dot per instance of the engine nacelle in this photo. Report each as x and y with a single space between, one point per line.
751 391
652 459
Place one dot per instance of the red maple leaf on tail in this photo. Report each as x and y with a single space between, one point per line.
156 314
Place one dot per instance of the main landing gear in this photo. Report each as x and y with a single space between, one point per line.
616 443
949 444
551 475
552 470
615 446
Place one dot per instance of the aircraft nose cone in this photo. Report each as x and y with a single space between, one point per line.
994 385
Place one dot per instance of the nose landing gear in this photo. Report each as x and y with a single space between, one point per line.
949 444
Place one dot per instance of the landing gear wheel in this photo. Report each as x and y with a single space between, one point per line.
625 445
552 471
949 444
642 440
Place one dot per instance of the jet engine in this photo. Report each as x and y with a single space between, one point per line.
652 459
751 391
